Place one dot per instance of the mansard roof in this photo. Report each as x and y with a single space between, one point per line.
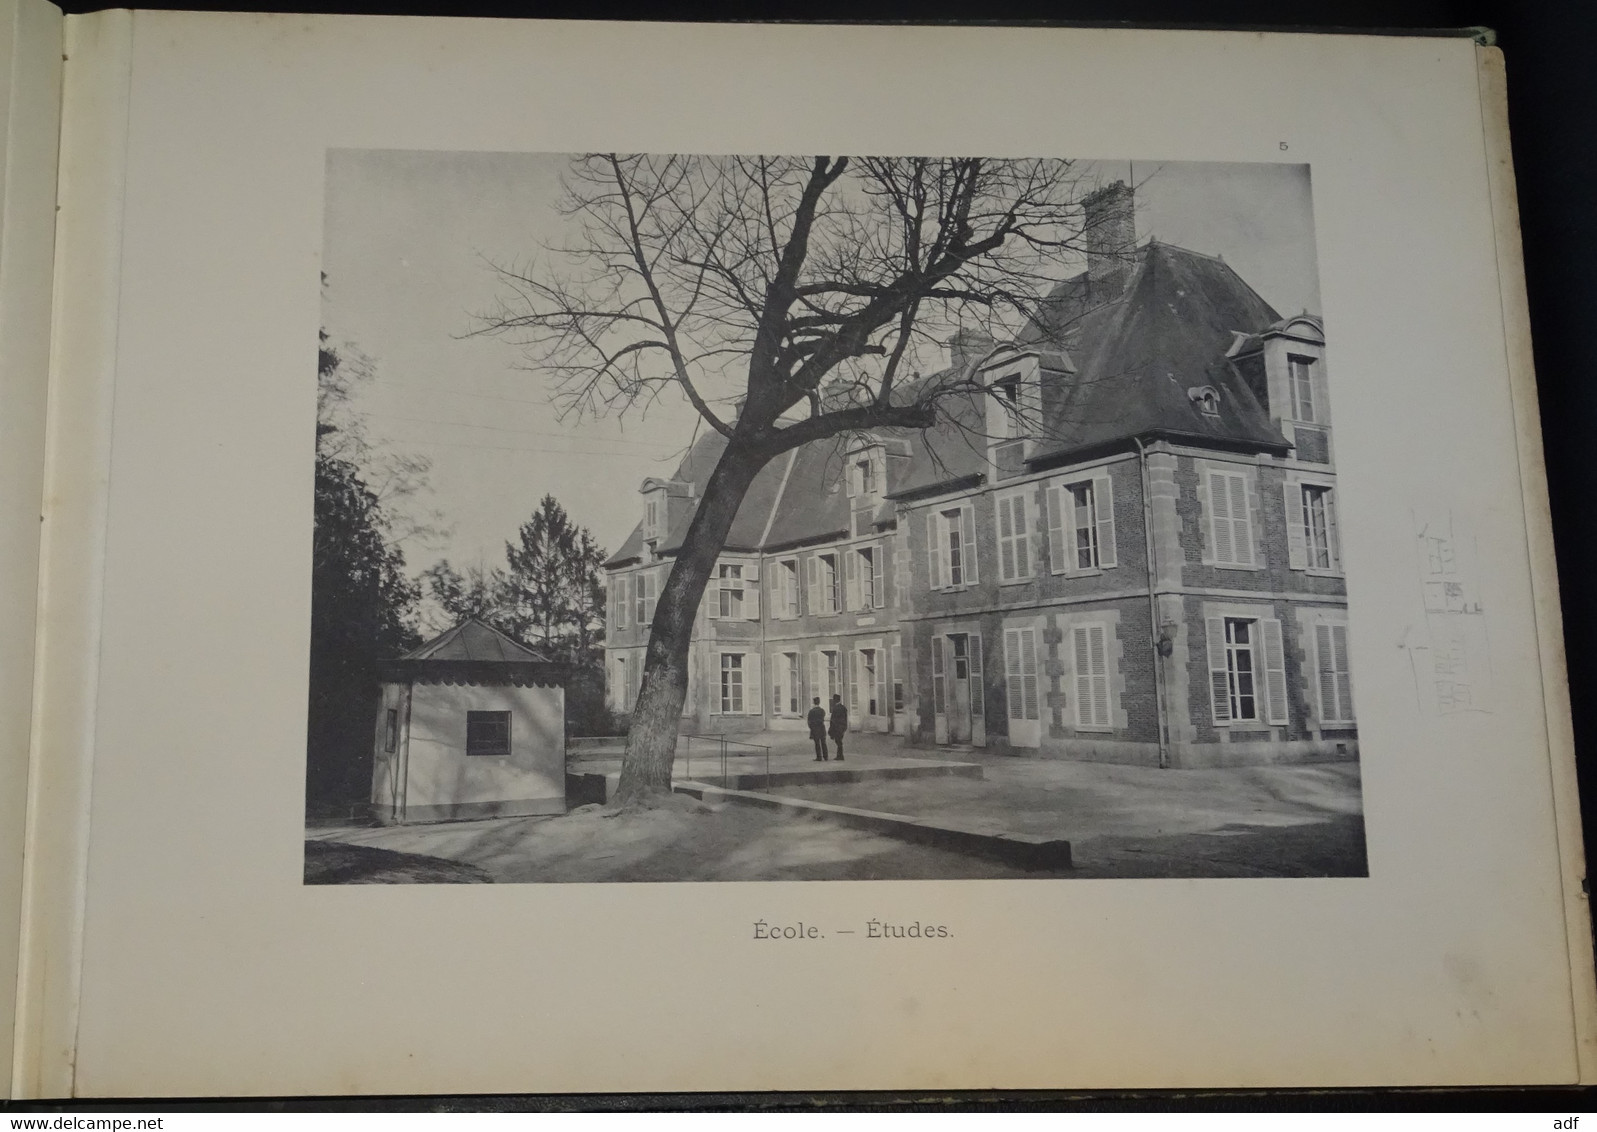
1125 366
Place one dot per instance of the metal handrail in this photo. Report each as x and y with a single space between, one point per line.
722 744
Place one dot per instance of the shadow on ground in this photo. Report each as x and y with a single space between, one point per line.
332 862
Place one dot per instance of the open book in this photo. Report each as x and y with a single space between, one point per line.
1057 592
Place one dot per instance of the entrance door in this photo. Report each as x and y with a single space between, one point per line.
959 688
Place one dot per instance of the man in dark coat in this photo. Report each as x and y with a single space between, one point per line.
839 726
817 721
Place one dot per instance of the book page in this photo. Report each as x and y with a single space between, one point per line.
289 176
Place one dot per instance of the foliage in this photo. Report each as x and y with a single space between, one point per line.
362 611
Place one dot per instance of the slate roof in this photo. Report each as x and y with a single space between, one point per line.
1131 359
474 641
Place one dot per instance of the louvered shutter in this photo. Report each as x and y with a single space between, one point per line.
1103 501
851 591
935 549
978 689
938 694
1241 524
881 683
812 599
879 575
1013 688
753 696
817 678
778 605
856 673
1297 550
1083 659
1220 537
1219 685
967 519
1326 662
1028 672
751 591
712 594
1022 538
1344 703
1274 670
622 601
1058 563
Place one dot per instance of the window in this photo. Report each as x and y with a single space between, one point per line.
731 578
651 519
1247 670
867 477
731 683
1081 525
1014 539
618 612
391 730
1336 688
487 733
622 687
1301 375
785 589
1230 526
645 586
824 584
865 583
1311 527
867 677
951 547
785 684
1239 668
1020 672
1092 676
1006 422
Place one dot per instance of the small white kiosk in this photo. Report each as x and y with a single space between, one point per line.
470 725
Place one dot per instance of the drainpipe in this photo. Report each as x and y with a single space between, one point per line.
1153 604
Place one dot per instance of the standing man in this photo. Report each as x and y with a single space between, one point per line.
817 722
839 724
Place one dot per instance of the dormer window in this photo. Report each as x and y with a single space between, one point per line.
1206 398
651 519
866 473
1013 410
1007 423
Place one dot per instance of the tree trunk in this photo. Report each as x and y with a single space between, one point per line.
652 739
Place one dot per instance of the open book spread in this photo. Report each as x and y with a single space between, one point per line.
593 557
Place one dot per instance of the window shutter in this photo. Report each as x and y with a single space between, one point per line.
1332 534
1023 553
851 594
1241 527
1274 669
1219 684
812 566
1220 538
753 697
1028 671
1083 657
856 671
978 690
851 478
934 552
1103 501
1344 703
1012 675
882 706
712 593
938 707
778 606
622 602
751 592
1057 550
1325 656
1297 550
967 519
817 678
879 570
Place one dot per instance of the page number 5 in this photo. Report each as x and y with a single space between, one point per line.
1283 145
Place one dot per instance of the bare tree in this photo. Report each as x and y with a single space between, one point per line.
787 299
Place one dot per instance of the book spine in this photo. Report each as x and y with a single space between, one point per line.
77 455
30 130
1544 566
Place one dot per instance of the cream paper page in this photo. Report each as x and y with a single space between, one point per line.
208 967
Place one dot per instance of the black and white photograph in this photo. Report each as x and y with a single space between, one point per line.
748 518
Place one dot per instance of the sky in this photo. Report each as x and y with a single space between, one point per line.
409 243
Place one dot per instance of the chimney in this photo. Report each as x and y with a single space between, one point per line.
966 345
1110 231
